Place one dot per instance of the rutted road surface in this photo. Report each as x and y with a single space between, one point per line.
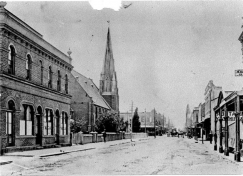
163 155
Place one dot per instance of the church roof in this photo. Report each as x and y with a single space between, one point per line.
91 89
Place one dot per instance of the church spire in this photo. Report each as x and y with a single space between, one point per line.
108 61
108 79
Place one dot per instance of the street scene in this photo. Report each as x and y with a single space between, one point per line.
146 157
118 87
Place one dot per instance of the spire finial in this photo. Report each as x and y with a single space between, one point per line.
69 52
2 4
108 23
242 23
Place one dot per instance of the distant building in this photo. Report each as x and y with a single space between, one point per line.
87 103
203 112
108 79
188 117
34 87
211 98
195 116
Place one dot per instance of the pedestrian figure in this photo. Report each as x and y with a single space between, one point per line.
104 135
215 137
210 136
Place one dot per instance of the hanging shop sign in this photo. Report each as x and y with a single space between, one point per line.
239 72
231 116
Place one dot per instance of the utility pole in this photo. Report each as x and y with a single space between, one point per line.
131 119
145 120
131 115
154 125
127 122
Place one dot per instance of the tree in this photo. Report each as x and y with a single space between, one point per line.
109 121
77 125
135 121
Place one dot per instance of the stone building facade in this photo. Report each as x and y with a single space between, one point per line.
34 82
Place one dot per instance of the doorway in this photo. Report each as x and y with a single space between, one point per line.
38 126
10 117
57 125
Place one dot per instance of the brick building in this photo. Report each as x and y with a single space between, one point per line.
87 103
34 82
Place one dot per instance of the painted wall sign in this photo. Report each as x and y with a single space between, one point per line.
231 115
239 72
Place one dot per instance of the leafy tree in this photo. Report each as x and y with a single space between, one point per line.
109 121
77 125
135 121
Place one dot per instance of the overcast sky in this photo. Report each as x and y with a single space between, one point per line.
165 52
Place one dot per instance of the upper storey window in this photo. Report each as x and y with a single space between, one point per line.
66 83
58 80
50 77
11 60
28 67
41 72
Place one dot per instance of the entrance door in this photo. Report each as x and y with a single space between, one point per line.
38 129
57 127
9 128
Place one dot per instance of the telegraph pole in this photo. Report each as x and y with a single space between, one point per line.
131 119
154 125
145 121
131 115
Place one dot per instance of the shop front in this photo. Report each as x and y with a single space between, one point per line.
228 124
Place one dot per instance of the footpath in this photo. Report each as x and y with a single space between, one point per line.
9 157
211 148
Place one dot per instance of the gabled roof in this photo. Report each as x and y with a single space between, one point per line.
91 89
221 98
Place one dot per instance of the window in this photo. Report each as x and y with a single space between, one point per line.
48 122
26 121
63 126
28 67
50 77
41 72
58 80
66 83
11 60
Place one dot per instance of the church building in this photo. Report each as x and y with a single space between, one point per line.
108 80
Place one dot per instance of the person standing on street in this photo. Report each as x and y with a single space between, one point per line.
210 136
104 135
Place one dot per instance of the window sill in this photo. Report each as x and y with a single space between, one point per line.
25 136
49 136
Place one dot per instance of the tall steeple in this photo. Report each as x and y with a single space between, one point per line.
108 79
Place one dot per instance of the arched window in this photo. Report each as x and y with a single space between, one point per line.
66 83
48 122
11 60
58 80
41 72
50 77
28 67
26 121
10 123
63 126
57 118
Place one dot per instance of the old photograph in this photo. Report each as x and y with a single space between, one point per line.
112 87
